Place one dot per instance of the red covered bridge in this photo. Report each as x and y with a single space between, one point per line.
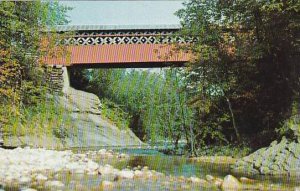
121 46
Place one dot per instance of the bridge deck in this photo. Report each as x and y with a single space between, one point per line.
129 46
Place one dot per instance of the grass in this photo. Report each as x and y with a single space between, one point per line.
115 114
47 118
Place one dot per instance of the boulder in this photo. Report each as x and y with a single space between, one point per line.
209 178
107 169
106 185
54 183
218 182
24 180
197 180
247 180
126 174
231 183
40 177
138 173
278 159
26 189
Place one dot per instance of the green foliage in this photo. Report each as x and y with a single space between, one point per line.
155 102
46 118
244 67
22 25
291 127
24 107
115 113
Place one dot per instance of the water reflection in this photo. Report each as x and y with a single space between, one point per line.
181 166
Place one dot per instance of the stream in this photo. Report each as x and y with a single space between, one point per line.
124 169
180 166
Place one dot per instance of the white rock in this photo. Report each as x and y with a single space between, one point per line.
79 171
126 174
297 189
28 189
231 183
107 184
92 173
54 183
24 180
92 166
138 173
107 169
102 151
41 177
147 174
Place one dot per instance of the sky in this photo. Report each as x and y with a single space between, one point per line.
130 12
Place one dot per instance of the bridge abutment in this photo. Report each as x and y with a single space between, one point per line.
58 78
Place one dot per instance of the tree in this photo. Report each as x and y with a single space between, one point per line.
22 26
244 58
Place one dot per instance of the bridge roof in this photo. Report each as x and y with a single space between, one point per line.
115 27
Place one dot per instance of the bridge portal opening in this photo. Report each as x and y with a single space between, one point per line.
149 101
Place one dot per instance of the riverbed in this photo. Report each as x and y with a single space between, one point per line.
143 169
181 166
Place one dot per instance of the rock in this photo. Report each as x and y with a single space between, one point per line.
218 182
273 143
40 177
209 178
54 183
25 180
102 151
138 173
264 170
247 180
126 174
297 189
107 185
27 189
197 180
278 159
231 183
92 166
79 171
93 173
107 169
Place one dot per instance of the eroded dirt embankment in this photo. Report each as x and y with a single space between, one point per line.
92 128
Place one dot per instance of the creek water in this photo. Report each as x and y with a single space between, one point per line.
174 166
182 166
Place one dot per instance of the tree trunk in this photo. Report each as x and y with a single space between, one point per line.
193 152
233 120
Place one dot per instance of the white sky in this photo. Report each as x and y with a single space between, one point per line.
130 12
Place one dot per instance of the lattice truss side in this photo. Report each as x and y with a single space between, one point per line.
125 37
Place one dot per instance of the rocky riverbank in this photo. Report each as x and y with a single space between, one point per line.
281 158
40 169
